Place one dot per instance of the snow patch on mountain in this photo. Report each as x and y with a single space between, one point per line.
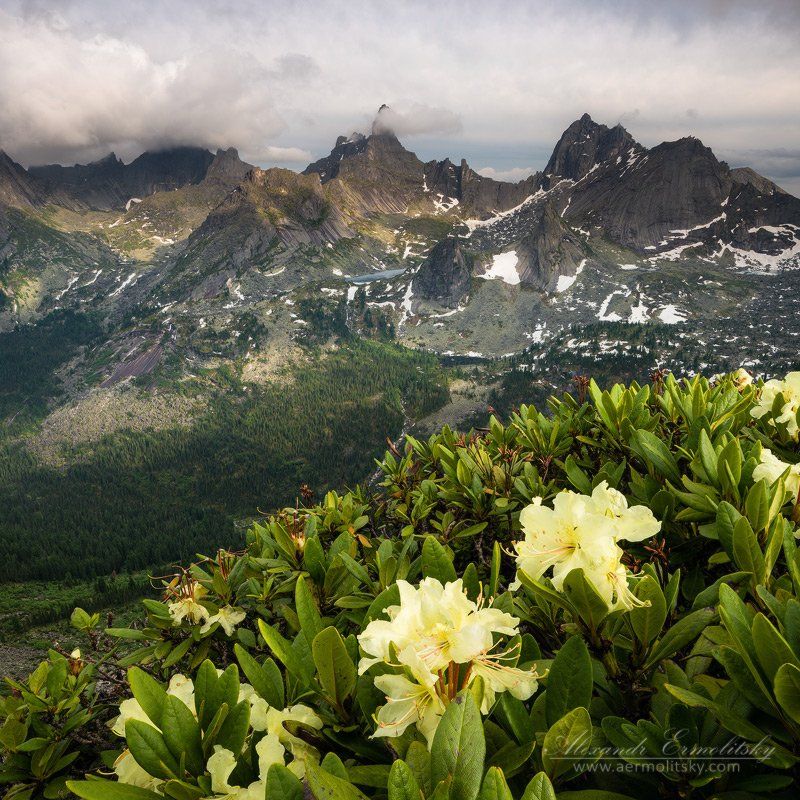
565 281
504 267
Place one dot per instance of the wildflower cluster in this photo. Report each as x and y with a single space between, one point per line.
439 641
187 604
582 532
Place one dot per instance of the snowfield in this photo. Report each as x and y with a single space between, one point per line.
504 268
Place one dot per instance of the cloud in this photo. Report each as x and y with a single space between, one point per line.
67 95
81 77
514 175
416 119
283 155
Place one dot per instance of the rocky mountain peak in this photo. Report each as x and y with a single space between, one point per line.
227 167
328 167
584 145
107 160
383 122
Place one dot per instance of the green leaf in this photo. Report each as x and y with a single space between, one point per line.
584 597
233 732
108 790
494 571
648 621
325 786
494 787
459 748
747 552
149 693
594 794
283 784
787 690
436 563
178 652
569 682
283 651
683 632
653 451
266 680
757 505
566 741
56 676
442 790
402 783
729 467
334 765
539 788
419 762
335 668
772 650
211 690
182 735
150 750
577 477
708 457
376 776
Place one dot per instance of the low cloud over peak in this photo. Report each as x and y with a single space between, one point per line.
416 119
79 78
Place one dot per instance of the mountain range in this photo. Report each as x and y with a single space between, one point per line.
191 259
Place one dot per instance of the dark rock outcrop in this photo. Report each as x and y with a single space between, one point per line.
328 167
549 251
445 276
745 175
227 167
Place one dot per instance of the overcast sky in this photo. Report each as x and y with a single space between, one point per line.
494 82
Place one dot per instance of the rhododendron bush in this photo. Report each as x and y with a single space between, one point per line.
599 602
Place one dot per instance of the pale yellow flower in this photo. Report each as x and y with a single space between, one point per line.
571 535
772 468
789 389
631 523
581 532
220 766
741 378
187 606
228 618
128 771
433 632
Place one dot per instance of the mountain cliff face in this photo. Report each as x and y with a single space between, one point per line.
583 146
